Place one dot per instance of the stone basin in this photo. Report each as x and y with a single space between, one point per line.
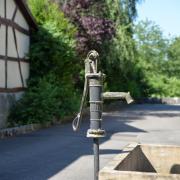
144 162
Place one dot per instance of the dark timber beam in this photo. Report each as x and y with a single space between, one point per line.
12 90
14 59
6 44
16 45
8 22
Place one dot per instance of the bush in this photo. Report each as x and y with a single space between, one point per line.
46 102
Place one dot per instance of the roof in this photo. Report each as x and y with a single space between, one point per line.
27 13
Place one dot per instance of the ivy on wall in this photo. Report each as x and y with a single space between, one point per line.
51 94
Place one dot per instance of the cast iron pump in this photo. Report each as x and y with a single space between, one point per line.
94 85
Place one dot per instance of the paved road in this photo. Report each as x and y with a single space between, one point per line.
59 154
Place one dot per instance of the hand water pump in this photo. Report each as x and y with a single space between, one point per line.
94 85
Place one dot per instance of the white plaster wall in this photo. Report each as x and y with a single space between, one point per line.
10 8
13 79
25 72
19 19
23 42
2 73
11 44
2 8
2 39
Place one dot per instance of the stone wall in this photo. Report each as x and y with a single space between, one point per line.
6 101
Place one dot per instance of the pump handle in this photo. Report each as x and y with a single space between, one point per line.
91 63
77 121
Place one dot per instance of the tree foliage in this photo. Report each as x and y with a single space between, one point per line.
173 67
120 62
93 27
158 58
152 46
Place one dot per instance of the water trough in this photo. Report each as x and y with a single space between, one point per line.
144 162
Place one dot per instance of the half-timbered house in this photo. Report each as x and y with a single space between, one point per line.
16 25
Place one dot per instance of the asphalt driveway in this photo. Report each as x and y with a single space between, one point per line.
57 153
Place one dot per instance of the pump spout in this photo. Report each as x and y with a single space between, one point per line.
119 95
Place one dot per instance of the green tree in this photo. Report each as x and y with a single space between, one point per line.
154 58
173 67
119 62
151 45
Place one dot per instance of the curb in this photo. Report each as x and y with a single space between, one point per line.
9 132
24 129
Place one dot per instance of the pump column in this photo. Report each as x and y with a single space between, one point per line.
96 108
